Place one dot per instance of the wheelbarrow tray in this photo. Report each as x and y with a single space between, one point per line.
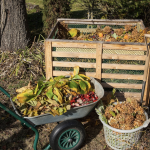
73 113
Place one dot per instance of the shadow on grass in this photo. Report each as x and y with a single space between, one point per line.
80 14
9 131
83 14
35 24
92 126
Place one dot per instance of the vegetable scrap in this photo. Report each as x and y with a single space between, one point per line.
55 96
84 99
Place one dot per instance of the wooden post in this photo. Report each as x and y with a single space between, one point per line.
98 61
147 66
147 88
48 59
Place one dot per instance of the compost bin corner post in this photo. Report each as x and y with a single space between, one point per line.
99 47
48 59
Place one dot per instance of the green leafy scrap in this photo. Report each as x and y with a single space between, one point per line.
52 96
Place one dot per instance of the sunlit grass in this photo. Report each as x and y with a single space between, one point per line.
36 2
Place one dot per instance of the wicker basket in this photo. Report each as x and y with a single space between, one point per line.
121 139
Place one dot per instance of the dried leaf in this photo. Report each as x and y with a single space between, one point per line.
55 112
112 113
88 119
114 35
74 86
55 98
65 109
77 77
22 89
53 102
14 99
37 105
36 89
35 113
73 32
23 108
25 112
50 93
32 102
68 107
60 110
59 95
76 70
58 78
83 85
96 123
23 97
111 101
84 77
88 86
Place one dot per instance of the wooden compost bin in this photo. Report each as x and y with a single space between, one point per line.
100 57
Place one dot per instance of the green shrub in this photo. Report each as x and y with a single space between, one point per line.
54 9
126 9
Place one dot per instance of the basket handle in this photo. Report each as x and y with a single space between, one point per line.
4 91
146 123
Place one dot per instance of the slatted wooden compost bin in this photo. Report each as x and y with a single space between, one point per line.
116 64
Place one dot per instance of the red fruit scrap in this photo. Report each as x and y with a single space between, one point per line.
84 99
72 101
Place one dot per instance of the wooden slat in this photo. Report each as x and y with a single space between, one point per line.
95 42
48 59
122 66
98 23
77 45
147 35
122 96
121 85
98 61
86 30
147 88
68 73
104 75
125 47
122 76
93 55
74 54
124 57
147 78
102 20
73 64
93 45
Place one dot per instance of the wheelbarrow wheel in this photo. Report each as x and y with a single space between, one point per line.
68 135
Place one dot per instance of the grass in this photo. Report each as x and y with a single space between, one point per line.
35 22
36 2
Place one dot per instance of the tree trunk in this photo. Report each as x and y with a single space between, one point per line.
14 33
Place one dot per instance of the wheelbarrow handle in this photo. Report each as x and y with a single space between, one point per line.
4 91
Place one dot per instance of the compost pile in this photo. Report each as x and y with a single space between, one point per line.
55 96
127 34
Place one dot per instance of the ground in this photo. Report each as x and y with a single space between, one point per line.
13 136
16 137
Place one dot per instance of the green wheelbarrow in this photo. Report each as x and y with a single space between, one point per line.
69 134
